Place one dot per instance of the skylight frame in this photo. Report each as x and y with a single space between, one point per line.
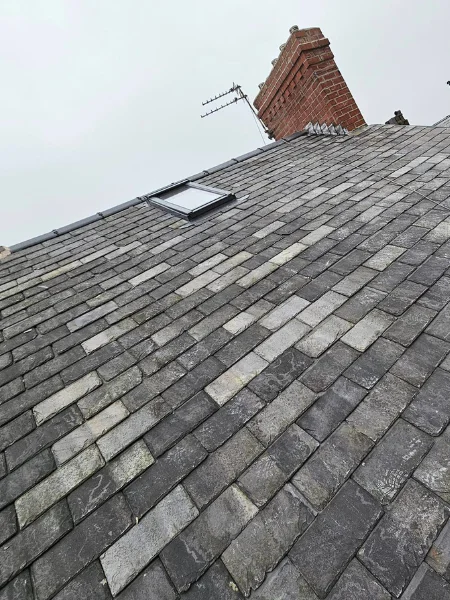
190 213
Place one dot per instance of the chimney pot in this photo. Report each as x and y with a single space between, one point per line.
306 86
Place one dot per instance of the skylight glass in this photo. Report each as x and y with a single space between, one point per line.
189 200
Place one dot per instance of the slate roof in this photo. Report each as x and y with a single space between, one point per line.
256 402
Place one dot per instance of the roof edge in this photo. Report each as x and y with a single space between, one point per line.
124 205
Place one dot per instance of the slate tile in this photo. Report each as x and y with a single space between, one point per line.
420 359
222 467
440 326
392 276
53 570
329 367
392 461
201 351
330 409
158 480
25 547
324 551
436 297
88 585
427 585
43 437
402 297
16 429
434 470
189 555
430 409
19 588
279 374
357 307
284 580
326 471
181 422
215 583
8 524
151 584
430 271
266 539
439 555
25 477
356 583
228 419
410 325
370 367
242 344
193 382
401 540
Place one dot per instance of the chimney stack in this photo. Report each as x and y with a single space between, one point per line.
306 86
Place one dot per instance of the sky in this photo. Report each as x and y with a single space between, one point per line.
101 101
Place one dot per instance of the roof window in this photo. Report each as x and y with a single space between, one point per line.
189 200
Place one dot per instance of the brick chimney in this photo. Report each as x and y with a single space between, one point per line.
305 86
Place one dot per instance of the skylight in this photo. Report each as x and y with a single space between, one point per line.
189 200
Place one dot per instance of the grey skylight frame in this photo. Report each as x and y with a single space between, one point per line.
189 213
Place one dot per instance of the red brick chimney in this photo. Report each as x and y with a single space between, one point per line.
305 86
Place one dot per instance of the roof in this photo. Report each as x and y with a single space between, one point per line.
255 402
445 122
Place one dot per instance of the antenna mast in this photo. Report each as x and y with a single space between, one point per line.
235 89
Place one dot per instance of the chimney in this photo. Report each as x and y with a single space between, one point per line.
306 86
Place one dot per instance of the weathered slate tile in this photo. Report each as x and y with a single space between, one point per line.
434 471
329 367
392 461
88 585
359 305
281 340
357 583
279 374
430 271
193 382
151 584
227 420
327 547
410 325
25 477
215 583
326 471
134 550
53 570
222 467
189 555
430 409
16 429
286 583
57 485
420 359
283 313
401 540
232 381
370 367
439 555
330 409
68 395
323 336
132 428
181 422
109 392
25 547
8 525
379 409
366 331
281 412
427 585
321 308
18 589
157 481
267 539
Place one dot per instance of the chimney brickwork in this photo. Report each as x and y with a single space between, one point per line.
305 86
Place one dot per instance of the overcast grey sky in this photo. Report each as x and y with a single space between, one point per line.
101 101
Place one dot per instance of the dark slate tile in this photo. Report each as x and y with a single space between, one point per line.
410 325
215 583
8 523
19 588
420 359
88 585
91 493
391 277
242 344
392 461
284 580
151 584
356 583
228 420
359 305
372 365
430 271
329 367
193 382
401 540
436 297
430 409
440 327
181 422
402 297
331 408
324 551
202 350
52 570
279 374
161 477
16 429
427 585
